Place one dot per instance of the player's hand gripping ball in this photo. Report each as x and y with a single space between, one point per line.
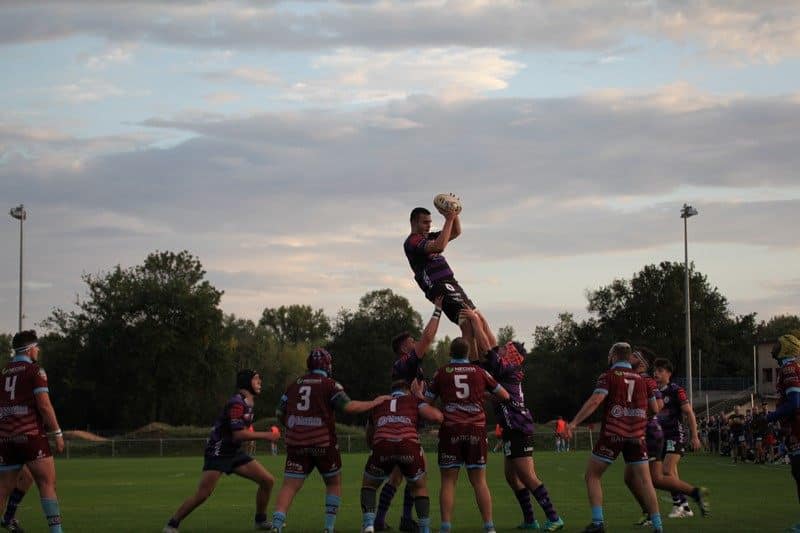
447 203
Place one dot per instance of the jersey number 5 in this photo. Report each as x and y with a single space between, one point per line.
462 386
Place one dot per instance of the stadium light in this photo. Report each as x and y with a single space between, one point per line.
20 214
687 211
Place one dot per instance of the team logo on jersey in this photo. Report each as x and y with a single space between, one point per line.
449 369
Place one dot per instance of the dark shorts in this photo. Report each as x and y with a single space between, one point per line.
517 444
455 299
608 447
405 455
673 444
463 445
301 461
654 439
226 463
17 451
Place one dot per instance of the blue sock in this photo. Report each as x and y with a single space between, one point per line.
656 519
368 520
53 514
444 526
488 525
331 508
424 525
278 518
597 514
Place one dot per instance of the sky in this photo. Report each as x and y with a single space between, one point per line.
285 143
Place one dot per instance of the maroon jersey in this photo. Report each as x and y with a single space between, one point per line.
23 379
627 396
307 409
461 387
396 419
788 378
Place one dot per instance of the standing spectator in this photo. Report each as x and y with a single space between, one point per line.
25 401
561 430
498 435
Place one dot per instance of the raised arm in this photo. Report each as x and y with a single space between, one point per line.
438 245
589 407
429 333
456 228
481 340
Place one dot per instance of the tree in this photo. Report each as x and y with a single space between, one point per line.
296 324
5 343
505 334
361 345
779 325
145 345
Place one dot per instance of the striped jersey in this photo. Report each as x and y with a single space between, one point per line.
461 386
428 268
396 419
23 379
626 401
307 408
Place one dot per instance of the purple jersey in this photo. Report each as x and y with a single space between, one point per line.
408 367
308 410
671 415
461 387
235 416
428 268
504 363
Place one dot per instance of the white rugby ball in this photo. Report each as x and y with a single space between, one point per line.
447 202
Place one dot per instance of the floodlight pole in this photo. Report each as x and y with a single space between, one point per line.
686 212
20 214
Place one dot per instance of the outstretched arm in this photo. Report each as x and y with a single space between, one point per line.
438 245
429 333
356 406
456 228
589 407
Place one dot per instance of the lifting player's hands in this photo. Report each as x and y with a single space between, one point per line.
437 302
568 431
418 388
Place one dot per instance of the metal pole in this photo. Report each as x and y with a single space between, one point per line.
699 370
688 312
20 272
755 371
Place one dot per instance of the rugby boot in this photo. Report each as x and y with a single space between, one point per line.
407 524
594 527
13 526
529 525
264 526
702 502
644 521
555 525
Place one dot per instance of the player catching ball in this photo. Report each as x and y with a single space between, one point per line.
432 273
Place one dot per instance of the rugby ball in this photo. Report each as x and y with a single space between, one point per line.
447 203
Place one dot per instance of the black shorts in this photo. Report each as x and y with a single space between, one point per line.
455 299
517 444
226 463
674 445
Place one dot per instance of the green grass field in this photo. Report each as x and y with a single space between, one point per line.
139 495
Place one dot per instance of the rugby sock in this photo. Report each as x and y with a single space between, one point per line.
53 514
524 499
676 498
278 519
261 518
444 526
368 506
695 494
488 526
422 504
13 502
331 508
387 493
543 498
597 514
655 518
174 522
408 502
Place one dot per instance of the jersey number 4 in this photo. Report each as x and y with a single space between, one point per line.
11 386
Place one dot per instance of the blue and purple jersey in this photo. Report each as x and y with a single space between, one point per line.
428 268
671 415
236 415
408 367
505 364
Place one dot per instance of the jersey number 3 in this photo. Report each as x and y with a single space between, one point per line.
305 398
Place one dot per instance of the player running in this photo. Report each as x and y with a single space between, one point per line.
306 409
224 454
786 351
626 400
423 249
505 364
676 406
642 361
394 439
461 386
407 368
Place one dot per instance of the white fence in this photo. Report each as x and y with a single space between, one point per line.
176 447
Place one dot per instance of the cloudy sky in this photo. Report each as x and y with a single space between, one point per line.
284 144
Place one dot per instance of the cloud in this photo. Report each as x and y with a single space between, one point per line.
740 32
113 54
256 76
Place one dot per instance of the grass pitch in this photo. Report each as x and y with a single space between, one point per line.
139 495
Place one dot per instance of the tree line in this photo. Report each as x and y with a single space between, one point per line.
151 343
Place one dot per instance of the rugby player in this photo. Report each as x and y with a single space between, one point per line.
394 440
461 386
423 249
505 364
642 362
407 367
786 351
26 411
9 520
306 409
676 405
224 454
626 400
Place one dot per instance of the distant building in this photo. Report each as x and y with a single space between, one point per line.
767 368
